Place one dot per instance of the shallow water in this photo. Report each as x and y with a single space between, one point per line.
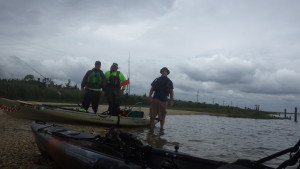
223 138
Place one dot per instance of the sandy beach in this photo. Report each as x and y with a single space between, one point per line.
18 149
17 145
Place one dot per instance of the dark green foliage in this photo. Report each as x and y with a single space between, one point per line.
37 91
29 78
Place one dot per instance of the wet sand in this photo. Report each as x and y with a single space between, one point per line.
18 149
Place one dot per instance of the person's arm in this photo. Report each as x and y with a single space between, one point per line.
103 82
171 91
107 74
171 97
122 79
84 80
106 77
152 89
150 94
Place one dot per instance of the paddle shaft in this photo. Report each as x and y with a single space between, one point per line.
292 149
58 107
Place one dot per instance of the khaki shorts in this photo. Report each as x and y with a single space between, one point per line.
158 108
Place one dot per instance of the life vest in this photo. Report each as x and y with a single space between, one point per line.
161 84
114 81
94 80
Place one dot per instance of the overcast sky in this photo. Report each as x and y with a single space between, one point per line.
231 52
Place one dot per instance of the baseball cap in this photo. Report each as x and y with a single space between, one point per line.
115 65
97 63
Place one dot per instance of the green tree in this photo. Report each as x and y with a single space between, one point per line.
29 78
68 85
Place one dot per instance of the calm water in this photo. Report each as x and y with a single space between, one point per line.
223 138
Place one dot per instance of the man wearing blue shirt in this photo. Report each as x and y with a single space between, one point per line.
162 87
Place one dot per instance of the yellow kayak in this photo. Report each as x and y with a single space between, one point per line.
40 111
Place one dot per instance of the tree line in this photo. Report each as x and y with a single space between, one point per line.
45 90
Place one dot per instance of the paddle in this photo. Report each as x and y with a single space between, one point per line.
58 107
124 83
46 105
293 159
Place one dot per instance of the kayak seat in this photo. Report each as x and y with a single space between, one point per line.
139 114
74 134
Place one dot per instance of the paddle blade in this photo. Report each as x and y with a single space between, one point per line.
126 82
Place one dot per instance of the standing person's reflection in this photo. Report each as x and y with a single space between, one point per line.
156 139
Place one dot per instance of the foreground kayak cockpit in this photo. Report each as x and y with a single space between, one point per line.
117 150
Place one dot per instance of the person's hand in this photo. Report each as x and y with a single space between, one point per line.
150 99
121 92
82 89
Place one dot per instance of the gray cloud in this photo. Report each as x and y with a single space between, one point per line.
241 52
220 69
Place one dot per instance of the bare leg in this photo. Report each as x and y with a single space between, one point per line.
162 123
152 124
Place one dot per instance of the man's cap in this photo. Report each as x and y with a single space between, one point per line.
97 63
114 65
164 68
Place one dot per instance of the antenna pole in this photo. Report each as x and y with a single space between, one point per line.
197 95
128 87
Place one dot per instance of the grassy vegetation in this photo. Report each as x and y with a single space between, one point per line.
46 91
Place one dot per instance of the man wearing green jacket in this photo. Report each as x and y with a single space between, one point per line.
92 83
113 89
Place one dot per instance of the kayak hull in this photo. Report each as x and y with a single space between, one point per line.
77 149
36 111
71 154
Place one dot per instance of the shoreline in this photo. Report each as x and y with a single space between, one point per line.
18 149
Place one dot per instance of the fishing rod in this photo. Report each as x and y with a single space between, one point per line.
30 66
33 68
79 97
